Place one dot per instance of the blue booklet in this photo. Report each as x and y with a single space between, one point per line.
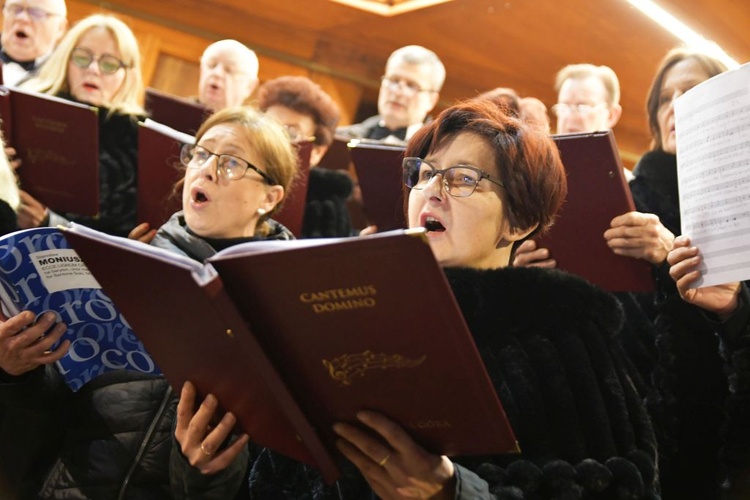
39 272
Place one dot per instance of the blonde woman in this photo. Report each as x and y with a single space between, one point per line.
98 63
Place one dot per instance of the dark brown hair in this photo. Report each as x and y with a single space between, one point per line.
306 97
711 66
527 161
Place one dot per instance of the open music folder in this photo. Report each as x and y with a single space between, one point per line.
294 336
597 193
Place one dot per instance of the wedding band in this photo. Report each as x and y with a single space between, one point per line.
384 460
208 453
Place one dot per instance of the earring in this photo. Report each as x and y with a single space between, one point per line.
261 212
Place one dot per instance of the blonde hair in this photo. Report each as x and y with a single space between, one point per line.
270 141
8 185
53 75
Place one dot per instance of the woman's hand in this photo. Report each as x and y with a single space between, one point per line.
640 236
685 262
528 255
200 442
394 465
25 346
142 232
30 212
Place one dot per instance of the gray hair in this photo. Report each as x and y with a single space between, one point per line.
418 55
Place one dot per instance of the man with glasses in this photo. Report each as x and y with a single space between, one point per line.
588 99
229 75
409 90
31 29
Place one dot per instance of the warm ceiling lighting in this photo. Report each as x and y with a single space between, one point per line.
679 29
390 7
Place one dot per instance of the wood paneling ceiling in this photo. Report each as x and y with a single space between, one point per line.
483 43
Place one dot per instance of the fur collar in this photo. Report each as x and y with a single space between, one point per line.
532 300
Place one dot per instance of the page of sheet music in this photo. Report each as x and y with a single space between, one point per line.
712 123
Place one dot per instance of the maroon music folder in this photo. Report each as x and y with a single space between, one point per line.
58 143
378 169
176 112
597 193
159 169
292 211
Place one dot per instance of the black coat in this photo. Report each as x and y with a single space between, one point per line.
691 387
111 439
550 342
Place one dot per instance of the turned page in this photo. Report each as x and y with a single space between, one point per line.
712 123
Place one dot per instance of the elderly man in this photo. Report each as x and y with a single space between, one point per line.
229 74
31 29
409 90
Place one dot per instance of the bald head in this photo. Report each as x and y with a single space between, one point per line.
229 74
32 28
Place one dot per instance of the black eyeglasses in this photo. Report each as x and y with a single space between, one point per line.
229 167
460 181
108 64
35 13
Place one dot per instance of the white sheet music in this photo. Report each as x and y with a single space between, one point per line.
712 123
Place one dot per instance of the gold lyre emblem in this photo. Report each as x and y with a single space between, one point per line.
347 366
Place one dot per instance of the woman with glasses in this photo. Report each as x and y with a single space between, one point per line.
310 114
98 63
480 183
236 176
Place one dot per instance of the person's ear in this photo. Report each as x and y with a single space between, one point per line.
274 195
615 112
62 27
434 97
513 234
317 154
251 86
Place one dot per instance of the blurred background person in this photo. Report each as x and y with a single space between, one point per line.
228 75
98 62
588 99
409 90
310 114
31 29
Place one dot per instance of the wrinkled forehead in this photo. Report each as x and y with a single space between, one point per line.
414 73
51 6
225 54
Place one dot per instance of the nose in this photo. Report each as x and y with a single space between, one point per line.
210 168
435 188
